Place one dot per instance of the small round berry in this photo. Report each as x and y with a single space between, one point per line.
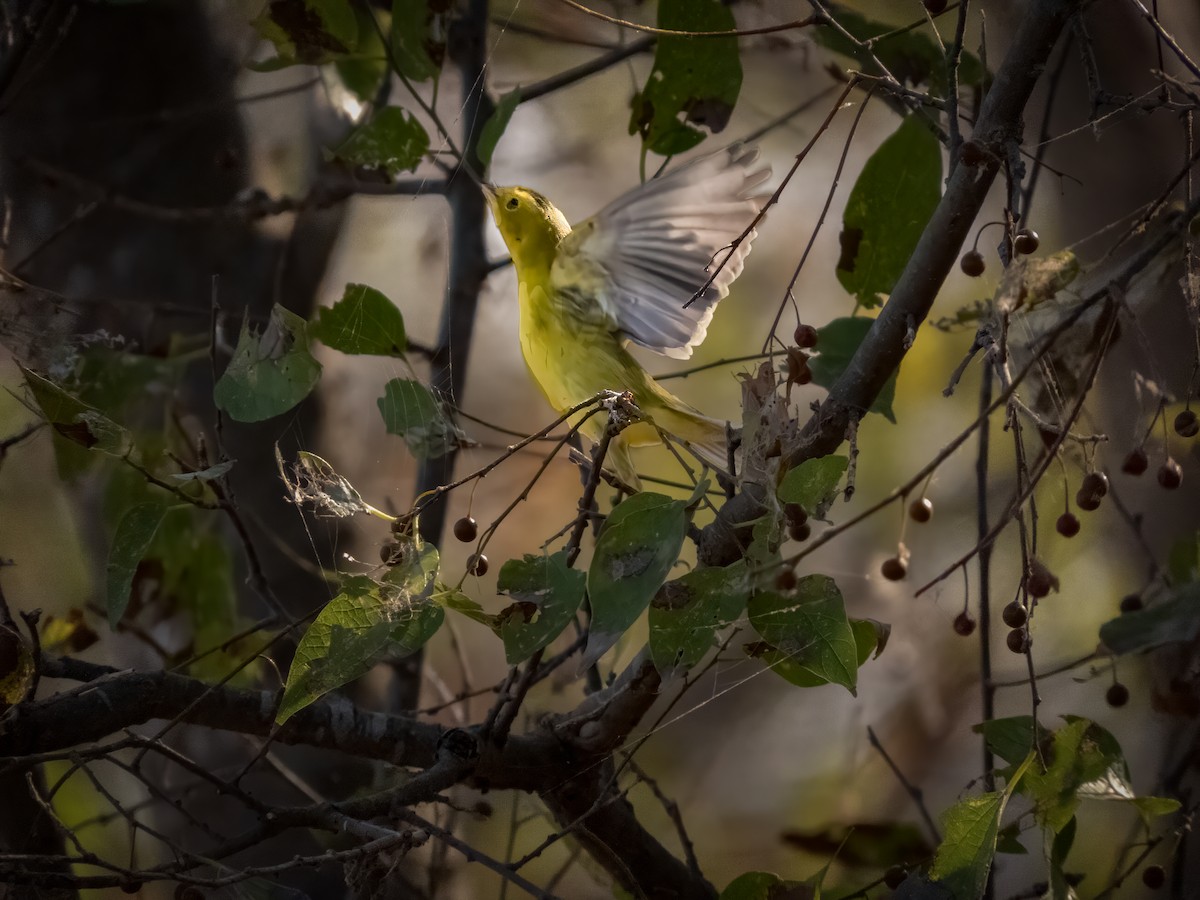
1154 877
1067 525
1040 580
1014 614
1116 695
477 564
786 580
921 510
1017 640
963 624
806 337
1186 424
1136 462
466 530
801 532
1026 241
1170 475
795 513
972 263
1087 502
894 877
894 568
1095 483
1131 603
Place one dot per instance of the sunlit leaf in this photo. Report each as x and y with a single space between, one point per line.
838 342
694 82
969 830
634 554
545 593
391 140
269 373
16 667
362 321
887 211
813 483
366 621
809 630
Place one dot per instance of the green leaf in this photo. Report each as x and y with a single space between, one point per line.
766 886
1150 808
887 211
810 632
634 554
874 845
1011 739
813 483
870 637
546 595
838 341
493 128
197 579
687 613
269 373
1009 840
410 410
1169 621
75 420
969 830
364 321
1183 562
695 81
308 31
911 56
366 621
391 140
1078 757
418 39
363 72
134 533
464 605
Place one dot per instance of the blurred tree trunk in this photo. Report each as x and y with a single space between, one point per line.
138 99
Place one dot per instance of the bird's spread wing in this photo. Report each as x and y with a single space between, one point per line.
651 250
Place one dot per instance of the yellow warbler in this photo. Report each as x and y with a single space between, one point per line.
625 275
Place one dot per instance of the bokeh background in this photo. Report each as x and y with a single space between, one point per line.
159 110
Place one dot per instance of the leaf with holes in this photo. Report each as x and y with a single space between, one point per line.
813 483
687 613
391 140
545 593
269 373
695 81
887 211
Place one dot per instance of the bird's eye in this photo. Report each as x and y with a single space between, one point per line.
513 203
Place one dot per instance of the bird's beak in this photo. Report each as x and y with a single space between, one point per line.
489 191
